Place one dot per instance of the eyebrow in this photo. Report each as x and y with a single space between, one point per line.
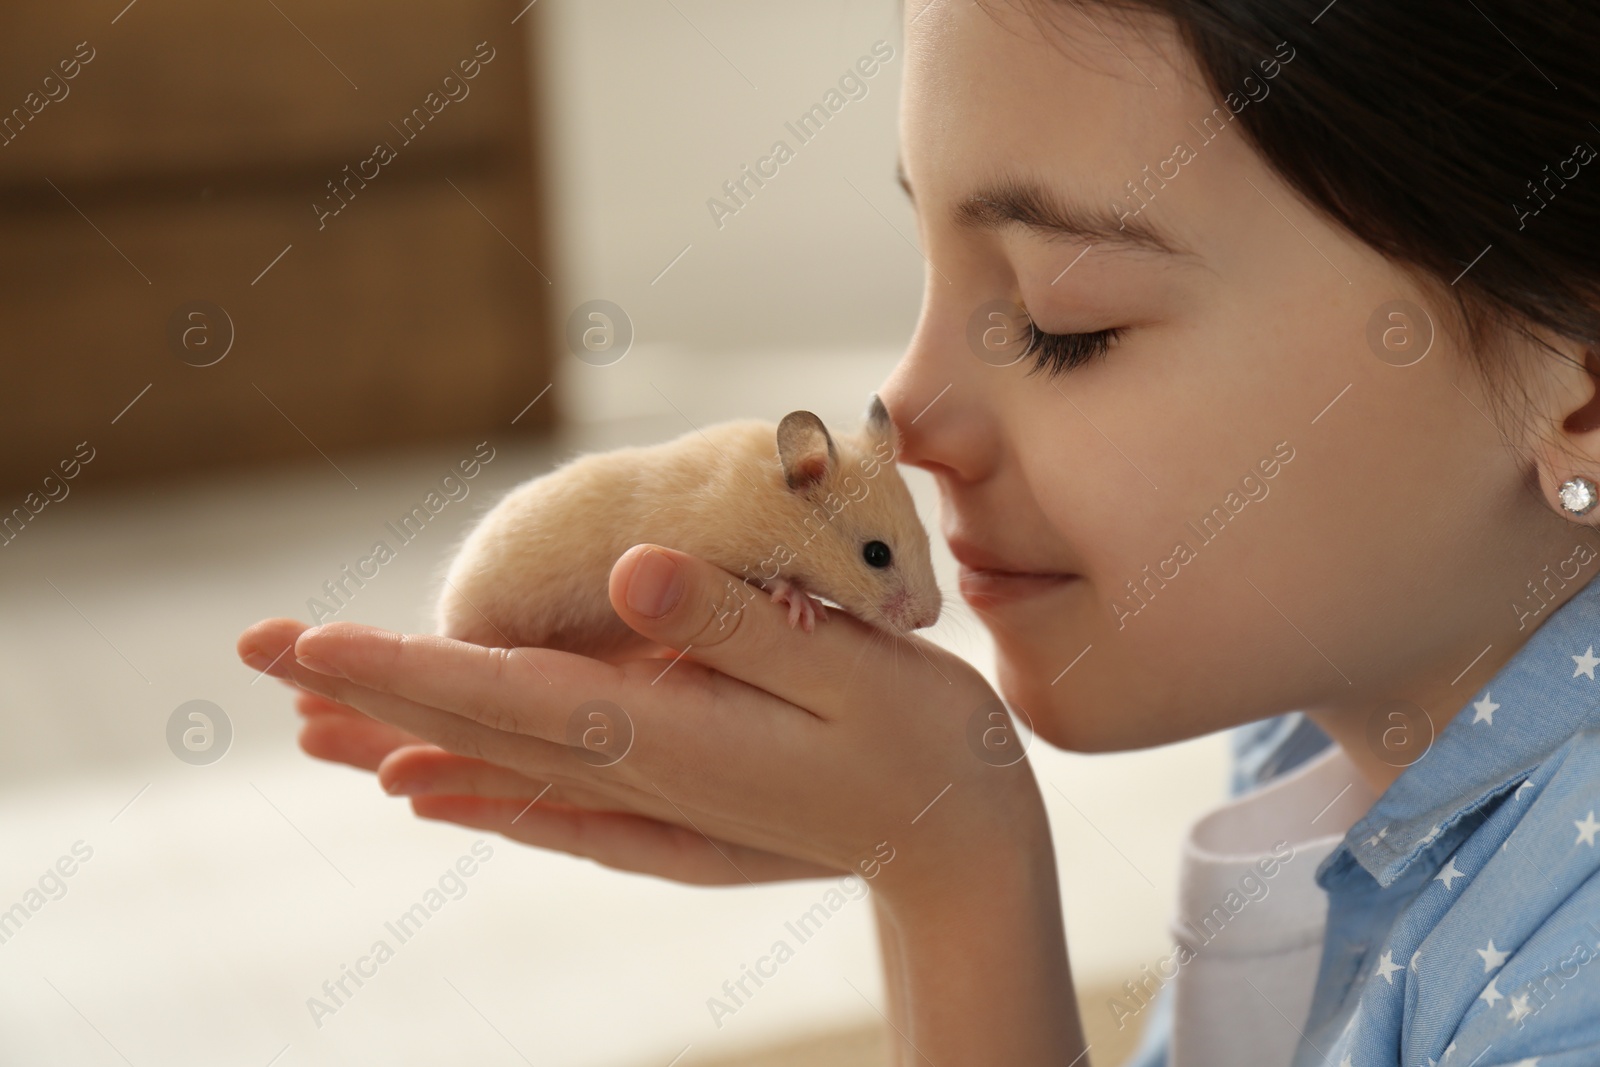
1013 200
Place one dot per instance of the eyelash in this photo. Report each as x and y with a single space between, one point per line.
1057 353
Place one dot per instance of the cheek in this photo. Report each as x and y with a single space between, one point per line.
1141 449
1206 603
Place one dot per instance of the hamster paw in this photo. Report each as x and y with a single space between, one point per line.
803 608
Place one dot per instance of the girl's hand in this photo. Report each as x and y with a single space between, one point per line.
474 793
846 749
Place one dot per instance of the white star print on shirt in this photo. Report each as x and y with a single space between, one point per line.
1587 828
1449 873
1519 1008
1433 832
1490 994
1527 783
1586 664
1491 957
1486 709
1387 966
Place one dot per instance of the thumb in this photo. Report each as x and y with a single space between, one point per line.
676 599
715 618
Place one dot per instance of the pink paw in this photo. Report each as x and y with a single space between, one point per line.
803 608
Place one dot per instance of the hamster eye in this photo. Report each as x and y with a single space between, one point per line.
876 553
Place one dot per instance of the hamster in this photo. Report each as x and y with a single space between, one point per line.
784 505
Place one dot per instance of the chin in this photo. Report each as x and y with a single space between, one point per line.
1029 640
1075 726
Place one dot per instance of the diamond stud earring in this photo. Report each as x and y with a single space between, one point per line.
1578 495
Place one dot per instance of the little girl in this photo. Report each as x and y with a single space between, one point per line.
1257 369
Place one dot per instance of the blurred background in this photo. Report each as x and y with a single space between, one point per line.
268 271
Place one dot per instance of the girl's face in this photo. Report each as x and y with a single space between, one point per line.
1261 509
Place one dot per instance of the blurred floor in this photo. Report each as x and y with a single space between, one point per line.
865 1046
218 899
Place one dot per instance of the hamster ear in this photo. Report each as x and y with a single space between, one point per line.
805 449
878 425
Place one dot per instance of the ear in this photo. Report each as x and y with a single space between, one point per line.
879 427
1587 418
804 449
1573 449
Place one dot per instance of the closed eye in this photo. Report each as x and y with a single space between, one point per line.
1057 353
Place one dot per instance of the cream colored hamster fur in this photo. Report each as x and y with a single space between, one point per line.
788 504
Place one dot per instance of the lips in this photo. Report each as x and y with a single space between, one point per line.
973 557
988 579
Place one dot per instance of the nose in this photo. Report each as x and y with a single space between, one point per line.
910 613
942 396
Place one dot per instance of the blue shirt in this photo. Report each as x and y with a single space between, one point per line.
1463 921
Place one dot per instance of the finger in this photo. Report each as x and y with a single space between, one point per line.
418 770
723 622
620 841
307 703
351 738
423 770
530 691
315 705
268 634
268 639
339 733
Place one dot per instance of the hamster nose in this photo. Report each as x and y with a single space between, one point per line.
908 613
896 610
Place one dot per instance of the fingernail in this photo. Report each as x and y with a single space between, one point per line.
655 585
405 788
314 664
274 666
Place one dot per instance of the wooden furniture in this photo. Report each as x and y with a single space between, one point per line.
171 159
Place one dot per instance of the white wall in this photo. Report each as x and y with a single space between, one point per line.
652 105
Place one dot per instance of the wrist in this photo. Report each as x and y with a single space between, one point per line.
1004 860
975 951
